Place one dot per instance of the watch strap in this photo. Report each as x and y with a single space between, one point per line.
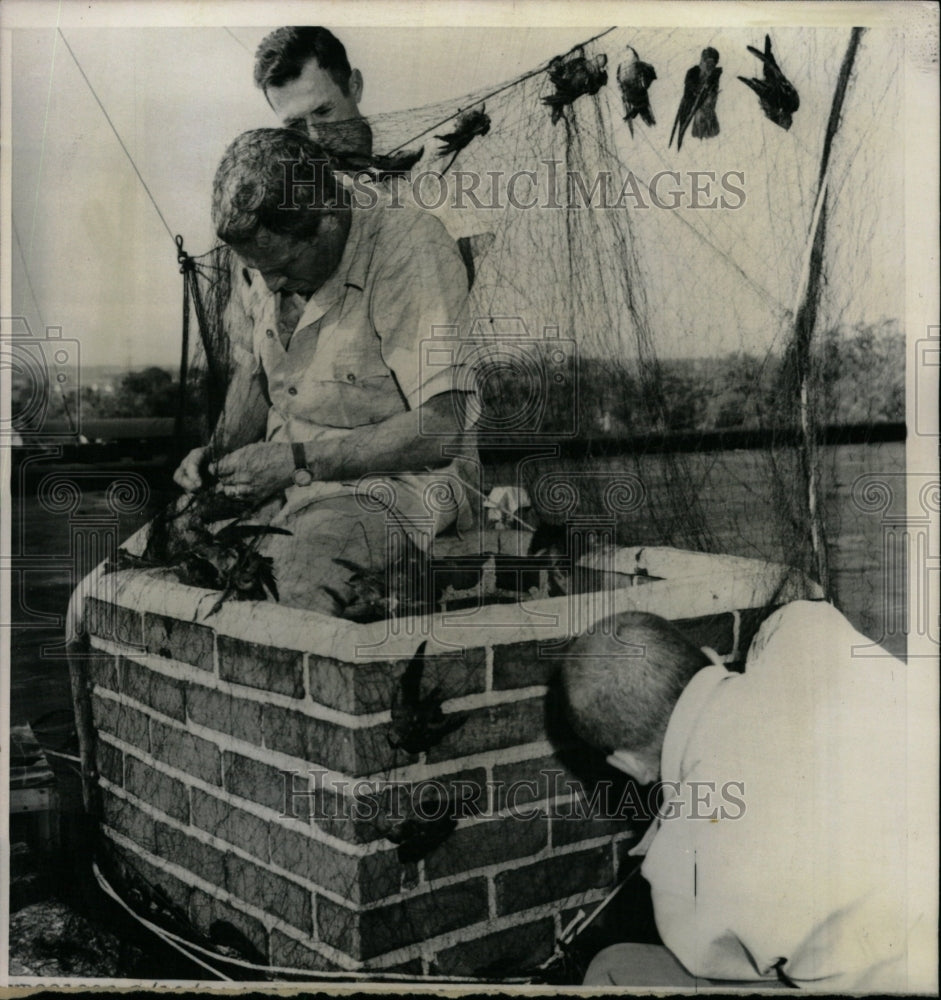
300 457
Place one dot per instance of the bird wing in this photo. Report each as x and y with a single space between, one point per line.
410 684
692 96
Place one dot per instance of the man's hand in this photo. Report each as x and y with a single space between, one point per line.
190 472
256 471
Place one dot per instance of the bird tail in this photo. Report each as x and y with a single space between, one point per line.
705 125
630 124
756 85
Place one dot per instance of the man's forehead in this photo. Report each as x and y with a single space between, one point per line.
300 96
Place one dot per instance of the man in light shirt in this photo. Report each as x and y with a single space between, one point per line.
779 856
337 422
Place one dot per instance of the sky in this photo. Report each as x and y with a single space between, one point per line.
91 254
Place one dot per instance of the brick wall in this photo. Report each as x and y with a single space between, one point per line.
246 774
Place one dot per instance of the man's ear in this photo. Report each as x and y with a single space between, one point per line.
356 85
633 765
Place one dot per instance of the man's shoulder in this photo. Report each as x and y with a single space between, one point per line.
397 224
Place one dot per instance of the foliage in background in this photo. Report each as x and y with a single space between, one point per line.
861 370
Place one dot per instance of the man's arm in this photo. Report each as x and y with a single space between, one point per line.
412 441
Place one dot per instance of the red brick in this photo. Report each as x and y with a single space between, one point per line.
290 953
216 710
269 892
180 640
185 751
223 923
156 789
507 952
475 845
261 783
353 814
570 830
553 878
126 818
127 724
360 879
158 882
350 751
386 928
717 631
494 728
268 668
229 823
110 762
359 688
162 694
520 665
185 850
523 782
114 622
104 671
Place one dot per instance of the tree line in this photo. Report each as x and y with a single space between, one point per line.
859 375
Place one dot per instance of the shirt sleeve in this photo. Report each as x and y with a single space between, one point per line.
417 307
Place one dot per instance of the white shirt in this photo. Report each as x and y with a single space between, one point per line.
793 851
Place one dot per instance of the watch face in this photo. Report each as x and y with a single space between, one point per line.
303 477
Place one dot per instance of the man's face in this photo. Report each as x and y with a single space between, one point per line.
287 264
314 98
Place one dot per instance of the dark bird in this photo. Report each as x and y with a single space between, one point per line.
698 105
377 167
468 126
418 830
417 720
182 538
634 77
572 78
776 94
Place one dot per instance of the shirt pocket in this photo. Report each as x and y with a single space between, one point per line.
364 389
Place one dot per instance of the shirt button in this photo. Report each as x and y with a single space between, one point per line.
292 391
269 334
351 377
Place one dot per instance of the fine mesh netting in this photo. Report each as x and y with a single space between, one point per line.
606 266
622 288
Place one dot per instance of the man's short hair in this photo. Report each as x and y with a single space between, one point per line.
275 179
282 56
622 681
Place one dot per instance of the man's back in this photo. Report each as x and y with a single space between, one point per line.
799 860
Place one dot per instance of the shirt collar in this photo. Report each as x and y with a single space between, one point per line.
687 710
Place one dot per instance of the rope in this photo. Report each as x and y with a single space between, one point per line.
153 928
116 134
187 948
238 40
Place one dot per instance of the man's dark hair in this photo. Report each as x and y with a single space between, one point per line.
282 56
623 681
275 179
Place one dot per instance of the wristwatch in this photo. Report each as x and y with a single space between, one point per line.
303 476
